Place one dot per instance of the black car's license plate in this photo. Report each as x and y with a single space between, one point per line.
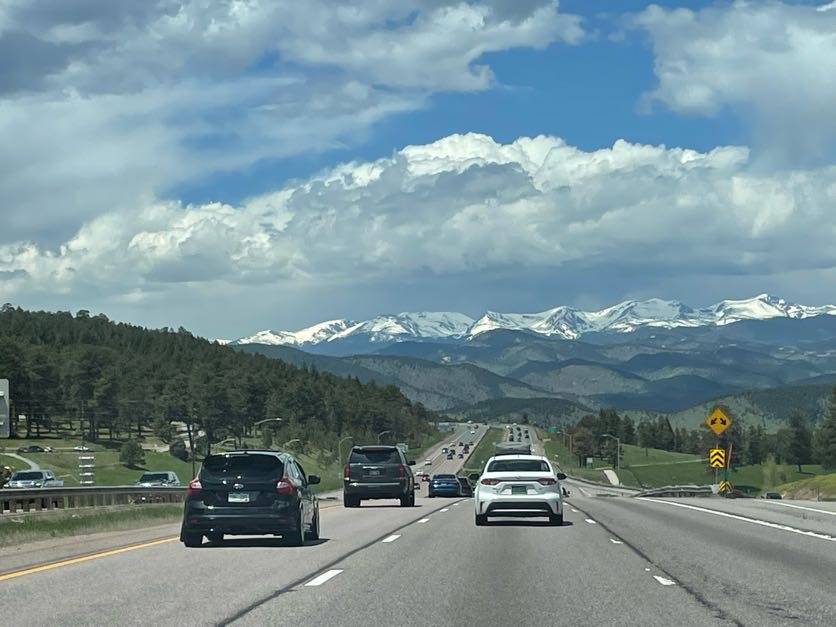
238 497
519 489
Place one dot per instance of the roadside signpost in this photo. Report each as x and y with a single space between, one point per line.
5 413
718 420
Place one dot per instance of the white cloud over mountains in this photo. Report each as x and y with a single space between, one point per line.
464 204
104 105
772 62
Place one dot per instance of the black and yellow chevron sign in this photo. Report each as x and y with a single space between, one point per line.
717 458
724 486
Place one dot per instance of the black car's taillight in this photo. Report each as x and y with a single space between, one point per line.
194 488
285 487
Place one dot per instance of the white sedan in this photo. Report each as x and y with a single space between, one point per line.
519 485
428 462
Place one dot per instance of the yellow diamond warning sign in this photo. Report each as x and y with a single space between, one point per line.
718 420
717 458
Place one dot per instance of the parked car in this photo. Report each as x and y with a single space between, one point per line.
251 493
771 495
34 479
378 472
444 485
158 478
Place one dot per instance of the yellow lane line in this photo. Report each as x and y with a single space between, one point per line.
83 558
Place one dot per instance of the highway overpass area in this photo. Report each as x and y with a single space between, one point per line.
617 559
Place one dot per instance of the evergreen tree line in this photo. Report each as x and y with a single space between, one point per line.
115 381
798 443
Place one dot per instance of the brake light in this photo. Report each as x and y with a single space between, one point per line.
489 481
285 487
546 481
194 488
401 470
346 472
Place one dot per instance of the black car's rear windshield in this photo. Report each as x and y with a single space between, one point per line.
27 476
518 465
154 476
453 477
254 466
374 456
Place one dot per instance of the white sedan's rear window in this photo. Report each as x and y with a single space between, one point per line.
518 465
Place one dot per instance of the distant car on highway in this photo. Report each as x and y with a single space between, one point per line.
771 495
378 472
251 493
461 455
428 462
34 448
449 456
158 479
519 485
34 479
444 485
81 448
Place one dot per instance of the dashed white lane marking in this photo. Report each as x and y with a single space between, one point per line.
391 538
614 541
321 579
574 510
663 581
446 509
590 521
423 520
809 509
455 504
584 492
754 521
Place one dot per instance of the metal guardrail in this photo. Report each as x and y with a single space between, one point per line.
678 490
14 501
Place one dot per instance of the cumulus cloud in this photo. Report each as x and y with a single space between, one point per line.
772 62
106 104
464 204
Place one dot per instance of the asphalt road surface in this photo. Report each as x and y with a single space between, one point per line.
617 560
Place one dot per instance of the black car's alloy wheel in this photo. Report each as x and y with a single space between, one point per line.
297 536
313 533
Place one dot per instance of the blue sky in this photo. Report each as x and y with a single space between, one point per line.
166 159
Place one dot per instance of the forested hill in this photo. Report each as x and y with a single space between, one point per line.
125 378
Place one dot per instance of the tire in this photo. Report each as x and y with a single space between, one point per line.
351 501
430 495
192 540
313 534
412 499
296 537
481 520
215 537
405 500
556 520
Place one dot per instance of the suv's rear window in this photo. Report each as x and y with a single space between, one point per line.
27 476
518 465
257 466
374 456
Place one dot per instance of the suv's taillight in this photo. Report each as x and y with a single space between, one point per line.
347 472
489 481
194 487
285 487
401 470
546 481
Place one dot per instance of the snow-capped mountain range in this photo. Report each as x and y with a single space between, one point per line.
564 322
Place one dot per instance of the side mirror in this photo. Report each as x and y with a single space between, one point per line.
561 476
417 486
411 462
474 477
313 479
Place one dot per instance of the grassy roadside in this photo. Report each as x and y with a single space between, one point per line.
19 529
822 487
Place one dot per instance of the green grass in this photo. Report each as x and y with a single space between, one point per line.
820 487
631 454
483 451
18 529
11 462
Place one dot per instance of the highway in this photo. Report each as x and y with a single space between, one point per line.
617 560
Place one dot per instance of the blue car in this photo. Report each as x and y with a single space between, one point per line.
444 485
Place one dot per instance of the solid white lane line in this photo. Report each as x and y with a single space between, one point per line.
663 581
754 521
809 509
590 521
446 509
321 579
614 541
423 520
391 538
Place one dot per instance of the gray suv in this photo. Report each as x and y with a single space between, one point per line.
378 472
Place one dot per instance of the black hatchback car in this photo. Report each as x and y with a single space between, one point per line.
378 472
250 493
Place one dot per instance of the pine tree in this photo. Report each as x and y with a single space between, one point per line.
799 449
826 437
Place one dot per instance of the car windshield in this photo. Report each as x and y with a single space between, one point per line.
374 456
251 466
154 476
518 465
26 476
